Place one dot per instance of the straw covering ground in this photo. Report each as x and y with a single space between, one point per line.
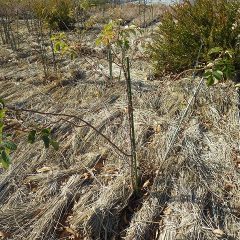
83 191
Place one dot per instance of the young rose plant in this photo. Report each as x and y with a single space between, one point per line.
7 146
220 67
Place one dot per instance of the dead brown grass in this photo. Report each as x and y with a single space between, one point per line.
83 190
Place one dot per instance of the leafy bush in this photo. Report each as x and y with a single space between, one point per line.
186 27
57 13
60 16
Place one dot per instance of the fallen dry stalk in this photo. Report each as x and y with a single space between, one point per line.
71 116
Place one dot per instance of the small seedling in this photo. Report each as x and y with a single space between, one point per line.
220 66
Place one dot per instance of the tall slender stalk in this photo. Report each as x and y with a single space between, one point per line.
144 13
7 32
238 103
110 61
134 165
53 53
43 49
2 35
17 31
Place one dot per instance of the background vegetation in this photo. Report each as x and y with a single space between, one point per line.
187 27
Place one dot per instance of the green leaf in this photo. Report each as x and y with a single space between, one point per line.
8 151
46 141
8 135
73 55
1 126
57 47
55 145
2 113
5 159
2 102
126 44
10 145
207 74
98 41
230 53
119 42
210 81
32 136
4 164
218 74
46 131
53 38
216 50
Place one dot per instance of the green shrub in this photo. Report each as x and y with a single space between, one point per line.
185 27
57 13
61 17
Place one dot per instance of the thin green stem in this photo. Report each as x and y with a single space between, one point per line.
134 166
110 61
